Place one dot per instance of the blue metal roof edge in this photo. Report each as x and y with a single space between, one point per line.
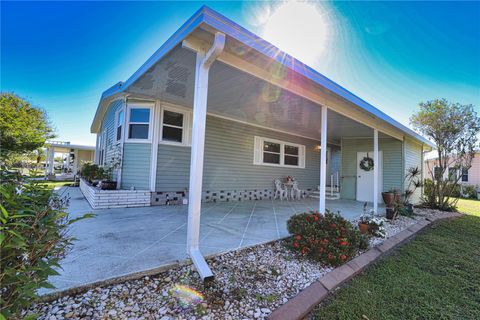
231 28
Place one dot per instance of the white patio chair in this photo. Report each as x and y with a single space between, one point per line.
296 192
280 191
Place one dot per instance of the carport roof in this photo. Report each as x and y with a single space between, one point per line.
210 18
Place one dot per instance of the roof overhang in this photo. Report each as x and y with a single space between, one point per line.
343 101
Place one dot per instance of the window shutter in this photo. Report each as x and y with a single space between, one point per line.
302 157
257 153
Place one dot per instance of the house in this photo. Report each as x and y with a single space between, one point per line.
468 177
217 113
74 155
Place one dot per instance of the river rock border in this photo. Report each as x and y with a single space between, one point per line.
301 305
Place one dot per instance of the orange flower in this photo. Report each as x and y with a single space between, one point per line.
295 245
298 237
344 243
343 257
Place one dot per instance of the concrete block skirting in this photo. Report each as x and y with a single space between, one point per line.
301 305
104 199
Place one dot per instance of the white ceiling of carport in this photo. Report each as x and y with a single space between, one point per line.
241 96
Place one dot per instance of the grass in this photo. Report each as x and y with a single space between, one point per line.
469 206
52 184
435 276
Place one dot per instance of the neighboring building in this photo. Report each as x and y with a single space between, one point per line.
73 155
467 176
264 120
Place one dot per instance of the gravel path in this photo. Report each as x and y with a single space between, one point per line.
249 284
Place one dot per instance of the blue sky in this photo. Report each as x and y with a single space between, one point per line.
61 56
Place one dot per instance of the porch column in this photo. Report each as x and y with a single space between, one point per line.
323 159
375 171
50 160
203 63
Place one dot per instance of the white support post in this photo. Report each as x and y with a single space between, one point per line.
51 159
203 63
323 159
155 140
375 171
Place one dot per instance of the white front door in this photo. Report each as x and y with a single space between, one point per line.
365 178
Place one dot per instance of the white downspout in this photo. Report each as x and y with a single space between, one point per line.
204 61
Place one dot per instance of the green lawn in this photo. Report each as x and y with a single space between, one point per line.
469 206
435 276
53 184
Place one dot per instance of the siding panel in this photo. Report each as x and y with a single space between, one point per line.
136 166
229 148
413 158
108 124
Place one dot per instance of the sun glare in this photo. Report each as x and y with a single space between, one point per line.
298 28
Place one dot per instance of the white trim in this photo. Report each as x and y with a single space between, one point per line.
258 153
186 128
154 148
115 125
139 105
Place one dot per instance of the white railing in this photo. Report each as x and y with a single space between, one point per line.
334 183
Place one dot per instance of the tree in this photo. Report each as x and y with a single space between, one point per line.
454 128
23 128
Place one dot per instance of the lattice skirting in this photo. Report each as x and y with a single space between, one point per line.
177 197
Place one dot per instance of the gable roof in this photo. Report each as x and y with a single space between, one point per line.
212 18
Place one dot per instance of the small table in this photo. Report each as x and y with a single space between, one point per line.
288 185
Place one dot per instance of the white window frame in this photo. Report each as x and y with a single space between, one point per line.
258 153
139 105
102 148
122 133
186 133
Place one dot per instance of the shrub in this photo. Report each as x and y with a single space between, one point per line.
469 192
328 238
33 238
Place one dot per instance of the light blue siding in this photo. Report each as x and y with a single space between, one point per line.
108 124
229 148
392 164
413 158
136 166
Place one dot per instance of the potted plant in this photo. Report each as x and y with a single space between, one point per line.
389 198
413 177
363 223
107 172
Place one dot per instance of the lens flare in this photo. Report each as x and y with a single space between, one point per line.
187 297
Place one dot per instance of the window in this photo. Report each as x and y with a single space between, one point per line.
101 148
173 126
119 125
464 174
139 123
271 152
452 174
437 173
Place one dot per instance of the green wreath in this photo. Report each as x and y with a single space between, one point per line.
366 164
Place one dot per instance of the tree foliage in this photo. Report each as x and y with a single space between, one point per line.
23 127
33 238
454 128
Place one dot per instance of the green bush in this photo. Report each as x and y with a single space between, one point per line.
469 192
328 238
33 238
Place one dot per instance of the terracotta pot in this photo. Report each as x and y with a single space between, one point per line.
390 213
388 198
410 208
363 227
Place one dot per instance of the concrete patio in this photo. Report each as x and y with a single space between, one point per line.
117 242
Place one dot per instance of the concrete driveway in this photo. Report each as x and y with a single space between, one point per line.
117 242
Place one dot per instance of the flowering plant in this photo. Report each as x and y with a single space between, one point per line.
289 178
375 224
328 238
